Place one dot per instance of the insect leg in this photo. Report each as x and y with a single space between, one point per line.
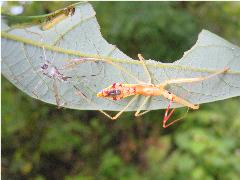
167 116
56 93
140 108
79 93
77 61
178 100
120 112
191 80
36 87
145 68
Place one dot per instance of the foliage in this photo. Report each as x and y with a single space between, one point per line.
42 142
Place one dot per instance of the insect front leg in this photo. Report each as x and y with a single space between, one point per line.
79 93
140 108
125 108
145 68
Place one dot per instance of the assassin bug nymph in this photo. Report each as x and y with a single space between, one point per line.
119 91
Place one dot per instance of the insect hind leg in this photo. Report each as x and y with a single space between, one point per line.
192 80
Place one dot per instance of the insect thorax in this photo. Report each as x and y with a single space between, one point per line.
118 91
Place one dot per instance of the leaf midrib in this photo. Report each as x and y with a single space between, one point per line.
103 58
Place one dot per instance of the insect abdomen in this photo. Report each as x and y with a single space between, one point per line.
148 90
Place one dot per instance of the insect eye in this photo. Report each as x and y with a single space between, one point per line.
114 92
117 92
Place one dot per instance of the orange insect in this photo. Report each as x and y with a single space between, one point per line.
119 91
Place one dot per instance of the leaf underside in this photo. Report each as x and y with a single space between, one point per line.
79 36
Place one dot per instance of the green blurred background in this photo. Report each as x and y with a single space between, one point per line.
40 141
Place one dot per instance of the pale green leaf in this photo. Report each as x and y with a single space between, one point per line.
79 36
